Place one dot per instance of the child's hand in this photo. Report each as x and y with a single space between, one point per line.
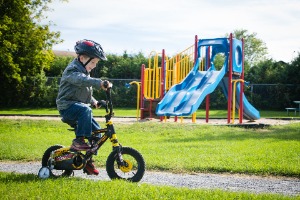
95 105
99 104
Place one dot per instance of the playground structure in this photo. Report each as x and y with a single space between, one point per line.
177 86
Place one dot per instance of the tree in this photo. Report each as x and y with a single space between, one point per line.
268 71
25 48
58 65
126 66
293 71
255 49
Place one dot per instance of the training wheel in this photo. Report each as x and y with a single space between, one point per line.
44 173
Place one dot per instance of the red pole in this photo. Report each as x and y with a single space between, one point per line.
142 90
242 86
162 78
150 108
229 81
207 100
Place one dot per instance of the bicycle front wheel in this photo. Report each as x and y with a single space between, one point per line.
133 170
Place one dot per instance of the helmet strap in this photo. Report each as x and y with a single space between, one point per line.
85 64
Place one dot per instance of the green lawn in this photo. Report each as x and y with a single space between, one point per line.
172 147
16 186
21 186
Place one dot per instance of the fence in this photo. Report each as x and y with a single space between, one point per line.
273 96
261 96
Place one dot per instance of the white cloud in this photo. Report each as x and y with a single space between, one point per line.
140 25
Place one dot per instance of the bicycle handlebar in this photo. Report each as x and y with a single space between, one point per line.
101 103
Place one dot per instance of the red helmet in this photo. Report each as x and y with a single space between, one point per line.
90 48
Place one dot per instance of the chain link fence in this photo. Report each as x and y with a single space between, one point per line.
273 96
261 96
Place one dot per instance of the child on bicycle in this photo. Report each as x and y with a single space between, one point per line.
75 95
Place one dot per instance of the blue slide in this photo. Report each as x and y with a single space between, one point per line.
185 98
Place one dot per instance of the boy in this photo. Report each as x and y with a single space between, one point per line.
75 95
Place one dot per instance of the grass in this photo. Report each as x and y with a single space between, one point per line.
165 146
171 146
20 186
131 112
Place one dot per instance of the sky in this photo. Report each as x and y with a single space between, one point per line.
152 25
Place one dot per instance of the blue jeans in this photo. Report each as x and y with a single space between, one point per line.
82 114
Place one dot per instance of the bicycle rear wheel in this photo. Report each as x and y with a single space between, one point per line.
46 162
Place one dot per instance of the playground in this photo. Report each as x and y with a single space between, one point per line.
174 88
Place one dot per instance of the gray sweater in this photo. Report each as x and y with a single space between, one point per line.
76 86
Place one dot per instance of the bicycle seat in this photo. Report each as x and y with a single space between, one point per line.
71 123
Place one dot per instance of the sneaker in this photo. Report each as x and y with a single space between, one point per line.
79 144
90 168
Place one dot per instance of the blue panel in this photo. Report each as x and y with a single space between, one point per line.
211 42
237 56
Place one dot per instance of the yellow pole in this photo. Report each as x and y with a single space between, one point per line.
233 98
146 83
138 98
194 117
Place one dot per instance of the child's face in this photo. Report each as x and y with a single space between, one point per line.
91 65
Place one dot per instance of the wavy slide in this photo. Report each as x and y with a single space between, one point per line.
185 98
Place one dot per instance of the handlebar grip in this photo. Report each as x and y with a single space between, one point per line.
105 84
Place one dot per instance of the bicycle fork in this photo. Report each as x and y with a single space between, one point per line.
115 143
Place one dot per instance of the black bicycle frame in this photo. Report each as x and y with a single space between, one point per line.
109 131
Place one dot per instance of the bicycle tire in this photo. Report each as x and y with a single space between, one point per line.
134 173
45 160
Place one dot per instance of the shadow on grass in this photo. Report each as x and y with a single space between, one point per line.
282 133
15 177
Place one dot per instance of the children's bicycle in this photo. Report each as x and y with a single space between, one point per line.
122 163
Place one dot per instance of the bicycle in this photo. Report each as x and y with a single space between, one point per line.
122 163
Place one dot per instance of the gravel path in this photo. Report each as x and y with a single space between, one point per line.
229 182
